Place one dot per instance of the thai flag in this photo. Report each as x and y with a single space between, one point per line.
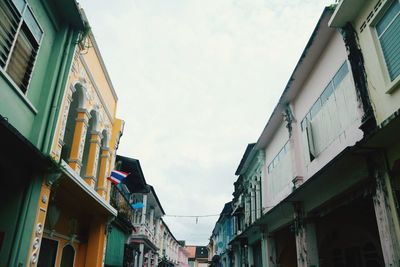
117 176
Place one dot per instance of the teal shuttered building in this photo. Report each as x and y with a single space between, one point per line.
37 44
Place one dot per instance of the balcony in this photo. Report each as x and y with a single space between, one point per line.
121 204
145 231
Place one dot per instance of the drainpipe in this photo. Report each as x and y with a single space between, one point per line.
66 63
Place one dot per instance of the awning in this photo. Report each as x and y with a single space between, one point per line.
77 191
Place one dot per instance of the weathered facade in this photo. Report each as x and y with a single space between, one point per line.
328 157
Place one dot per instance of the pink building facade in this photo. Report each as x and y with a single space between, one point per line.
183 257
328 172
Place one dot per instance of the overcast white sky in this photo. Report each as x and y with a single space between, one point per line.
197 81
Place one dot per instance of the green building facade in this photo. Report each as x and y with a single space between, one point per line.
37 44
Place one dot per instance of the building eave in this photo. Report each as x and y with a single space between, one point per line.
310 55
345 12
247 156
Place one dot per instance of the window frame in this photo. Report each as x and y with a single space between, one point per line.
4 69
390 86
306 122
279 156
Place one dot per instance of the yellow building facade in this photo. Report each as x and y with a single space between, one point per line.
74 210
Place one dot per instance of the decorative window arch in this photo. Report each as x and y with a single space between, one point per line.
78 101
68 256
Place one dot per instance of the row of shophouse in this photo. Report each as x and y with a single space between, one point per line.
59 136
321 186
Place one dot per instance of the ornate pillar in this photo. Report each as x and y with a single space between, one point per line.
78 144
144 209
42 210
103 172
156 259
151 222
93 158
141 255
111 162
253 206
149 254
258 198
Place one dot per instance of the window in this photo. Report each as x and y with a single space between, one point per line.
20 36
279 156
388 31
68 256
332 92
48 252
326 94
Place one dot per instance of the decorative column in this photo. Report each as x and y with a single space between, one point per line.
247 211
93 158
294 147
141 255
306 239
258 198
249 252
96 243
149 254
135 259
151 222
103 172
252 204
386 216
156 259
111 162
144 209
78 143
41 214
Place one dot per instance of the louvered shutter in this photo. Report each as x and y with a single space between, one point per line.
22 59
388 30
9 21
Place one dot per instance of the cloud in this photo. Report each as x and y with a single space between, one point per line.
196 82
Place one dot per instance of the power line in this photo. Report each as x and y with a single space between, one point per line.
192 216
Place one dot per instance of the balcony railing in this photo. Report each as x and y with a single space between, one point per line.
145 230
121 204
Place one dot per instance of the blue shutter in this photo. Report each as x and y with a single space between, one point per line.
388 30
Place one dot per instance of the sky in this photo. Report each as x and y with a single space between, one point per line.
196 82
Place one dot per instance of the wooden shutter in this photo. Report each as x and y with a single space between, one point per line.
8 28
22 58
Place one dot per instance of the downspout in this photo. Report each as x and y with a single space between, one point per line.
56 102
